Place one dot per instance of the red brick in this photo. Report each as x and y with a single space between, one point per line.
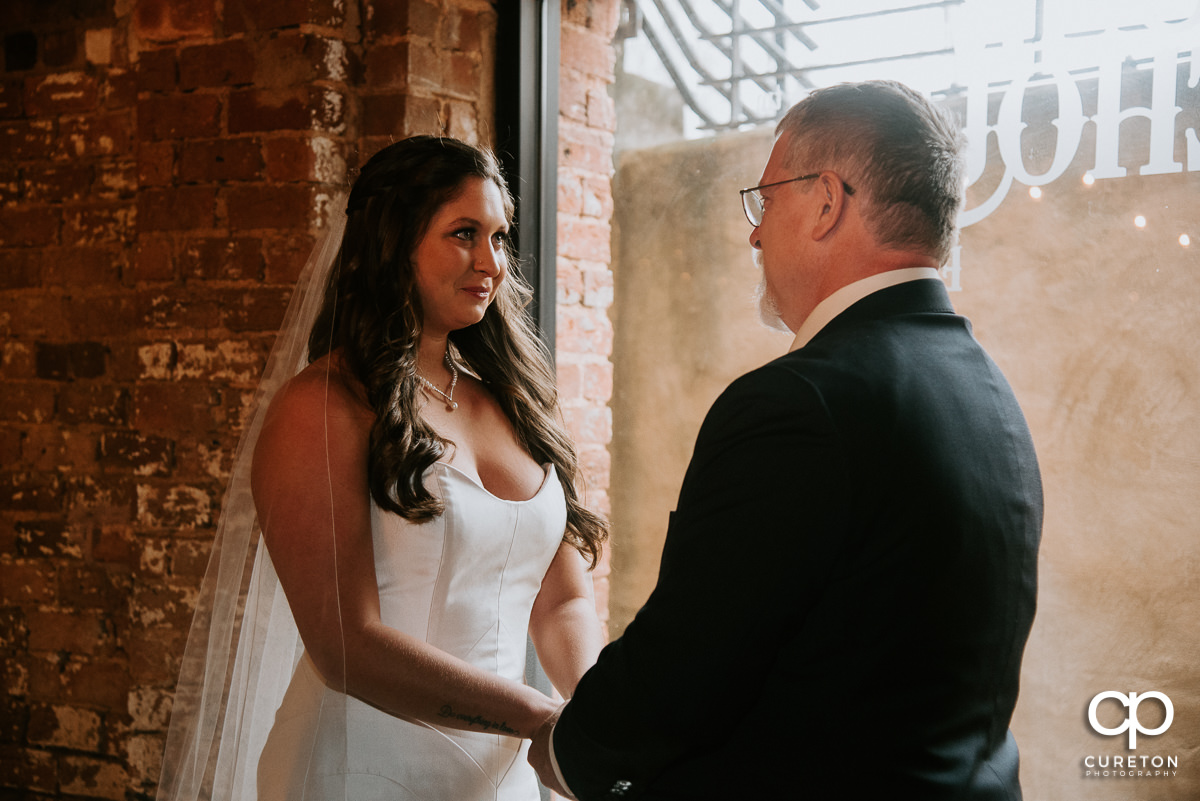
153 259
81 266
10 454
597 197
222 258
97 135
174 507
387 66
255 310
65 727
30 492
598 381
177 209
299 108
94 777
84 586
220 160
113 544
228 63
84 402
572 97
103 315
111 499
32 770
73 632
14 633
179 116
48 447
402 19
61 93
584 331
155 163
141 454
238 361
59 48
292 59
116 181
463 29
47 538
77 679
28 581
12 102
11 183
585 149
69 361
294 159
588 424
264 15
601 111
28 140
97 224
157 70
154 654
584 238
284 257
273 206
570 194
171 407
569 378
463 74
21 269
25 226
119 89
177 308
171 20
397 115
27 403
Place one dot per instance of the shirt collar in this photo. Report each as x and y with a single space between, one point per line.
850 294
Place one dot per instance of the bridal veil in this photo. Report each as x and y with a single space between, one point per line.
243 646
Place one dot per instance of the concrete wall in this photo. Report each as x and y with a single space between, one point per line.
1093 320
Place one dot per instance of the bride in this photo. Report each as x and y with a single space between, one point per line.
415 492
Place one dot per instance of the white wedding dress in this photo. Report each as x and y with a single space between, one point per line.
464 582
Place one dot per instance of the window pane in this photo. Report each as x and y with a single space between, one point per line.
1077 266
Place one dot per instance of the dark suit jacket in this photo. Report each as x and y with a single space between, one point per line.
846 587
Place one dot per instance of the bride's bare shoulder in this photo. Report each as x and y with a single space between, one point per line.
323 391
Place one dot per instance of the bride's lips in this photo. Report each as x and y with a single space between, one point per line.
478 291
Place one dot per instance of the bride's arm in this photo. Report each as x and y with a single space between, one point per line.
563 624
310 488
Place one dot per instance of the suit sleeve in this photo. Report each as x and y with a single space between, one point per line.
758 517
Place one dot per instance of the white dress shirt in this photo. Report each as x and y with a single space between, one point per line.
850 294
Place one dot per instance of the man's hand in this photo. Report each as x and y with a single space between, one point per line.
539 755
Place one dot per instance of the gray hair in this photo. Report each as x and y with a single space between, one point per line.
899 152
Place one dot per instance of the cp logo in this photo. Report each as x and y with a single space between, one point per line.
1131 721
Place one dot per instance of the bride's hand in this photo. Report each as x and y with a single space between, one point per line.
539 755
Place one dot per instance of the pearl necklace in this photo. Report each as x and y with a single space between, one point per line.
449 395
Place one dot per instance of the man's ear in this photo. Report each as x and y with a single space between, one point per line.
832 193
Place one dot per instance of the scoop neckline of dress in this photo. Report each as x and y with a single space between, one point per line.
547 472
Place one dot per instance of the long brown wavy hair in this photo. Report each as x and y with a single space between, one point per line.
371 316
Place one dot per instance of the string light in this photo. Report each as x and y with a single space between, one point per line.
1088 179
1035 192
1185 240
1139 221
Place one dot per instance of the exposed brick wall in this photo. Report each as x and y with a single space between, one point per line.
587 123
163 165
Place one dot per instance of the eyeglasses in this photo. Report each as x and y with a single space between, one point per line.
752 199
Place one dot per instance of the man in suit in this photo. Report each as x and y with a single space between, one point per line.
849 577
